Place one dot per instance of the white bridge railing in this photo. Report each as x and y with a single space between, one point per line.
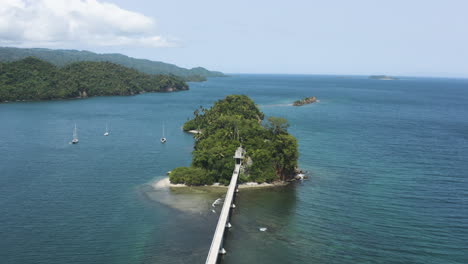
223 222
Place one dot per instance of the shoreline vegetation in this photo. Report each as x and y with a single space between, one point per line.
307 100
271 152
32 79
166 183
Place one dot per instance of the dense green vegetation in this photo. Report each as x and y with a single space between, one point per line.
64 57
33 79
191 176
271 153
194 78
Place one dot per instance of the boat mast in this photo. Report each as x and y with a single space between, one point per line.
75 133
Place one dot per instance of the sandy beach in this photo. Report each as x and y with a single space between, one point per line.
165 183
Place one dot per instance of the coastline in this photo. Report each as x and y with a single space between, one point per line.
195 199
88 97
165 183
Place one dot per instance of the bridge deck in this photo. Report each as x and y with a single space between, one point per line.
216 244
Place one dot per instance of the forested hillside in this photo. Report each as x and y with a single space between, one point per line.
32 79
65 57
271 152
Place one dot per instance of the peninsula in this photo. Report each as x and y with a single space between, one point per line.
271 152
62 58
307 100
32 79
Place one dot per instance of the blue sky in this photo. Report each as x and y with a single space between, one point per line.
415 38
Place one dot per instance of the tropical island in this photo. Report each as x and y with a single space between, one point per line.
32 79
383 77
271 152
62 58
307 100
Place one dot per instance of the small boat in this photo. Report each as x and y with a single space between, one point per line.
75 136
163 139
107 131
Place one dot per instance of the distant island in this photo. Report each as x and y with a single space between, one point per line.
382 77
62 58
271 152
32 79
307 100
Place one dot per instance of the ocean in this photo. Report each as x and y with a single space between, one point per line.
388 183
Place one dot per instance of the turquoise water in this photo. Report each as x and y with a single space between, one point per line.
388 163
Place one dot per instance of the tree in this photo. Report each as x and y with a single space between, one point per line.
277 125
33 79
232 121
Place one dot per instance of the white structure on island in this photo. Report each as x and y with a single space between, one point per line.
223 222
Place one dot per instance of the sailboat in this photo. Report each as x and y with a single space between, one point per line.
75 136
107 131
163 139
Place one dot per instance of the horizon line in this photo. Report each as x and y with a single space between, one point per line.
346 75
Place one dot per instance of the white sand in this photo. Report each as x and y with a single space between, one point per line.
165 183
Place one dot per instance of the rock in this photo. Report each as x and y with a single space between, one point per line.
307 100
83 94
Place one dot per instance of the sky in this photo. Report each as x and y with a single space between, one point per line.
359 37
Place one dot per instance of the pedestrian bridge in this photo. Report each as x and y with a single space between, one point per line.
223 221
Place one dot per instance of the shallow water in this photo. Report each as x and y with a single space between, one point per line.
388 183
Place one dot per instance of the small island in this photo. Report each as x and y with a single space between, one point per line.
383 77
307 100
32 79
271 152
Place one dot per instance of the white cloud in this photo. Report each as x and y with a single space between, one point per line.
67 22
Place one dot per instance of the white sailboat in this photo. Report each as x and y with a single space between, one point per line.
75 136
107 131
163 139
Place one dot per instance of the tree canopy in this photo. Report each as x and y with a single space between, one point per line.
271 153
33 79
63 58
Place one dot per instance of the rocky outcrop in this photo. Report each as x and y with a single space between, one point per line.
83 94
307 100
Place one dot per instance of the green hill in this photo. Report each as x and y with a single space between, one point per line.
65 57
32 79
271 152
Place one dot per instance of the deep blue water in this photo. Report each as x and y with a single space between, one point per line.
388 163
